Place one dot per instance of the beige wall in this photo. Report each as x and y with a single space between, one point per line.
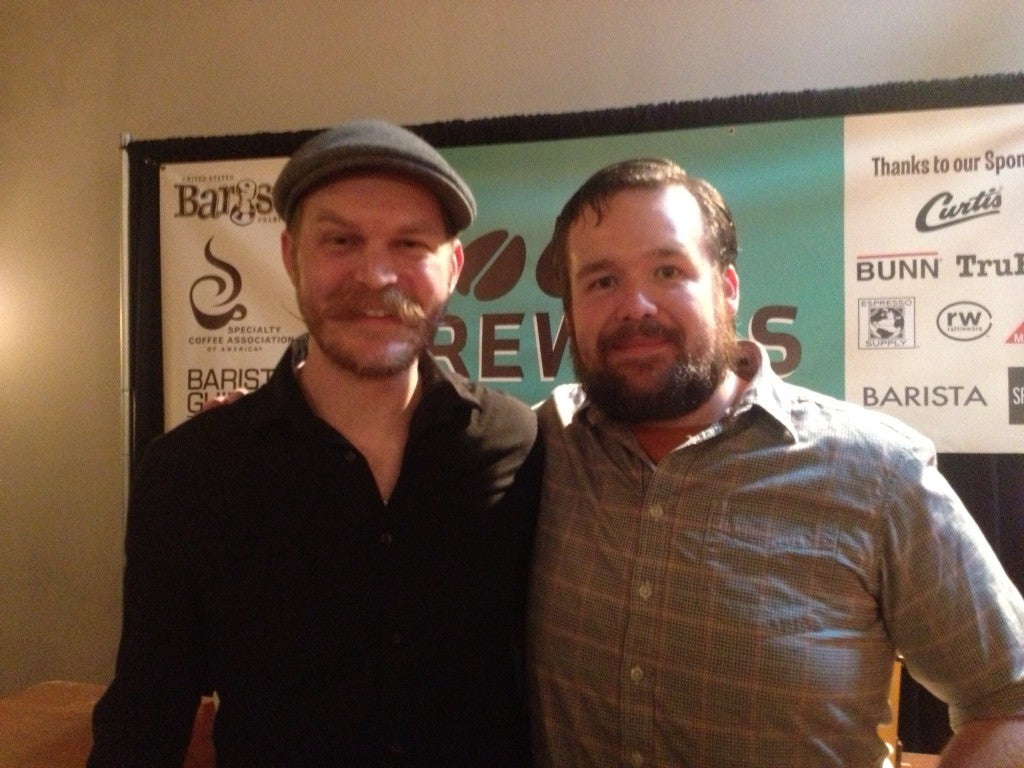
76 75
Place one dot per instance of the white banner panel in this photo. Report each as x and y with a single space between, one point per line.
228 309
934 272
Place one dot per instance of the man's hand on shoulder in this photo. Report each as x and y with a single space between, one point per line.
225 399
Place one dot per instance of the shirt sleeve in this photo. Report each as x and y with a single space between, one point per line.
951 609
145 717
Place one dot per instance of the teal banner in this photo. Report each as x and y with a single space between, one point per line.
782 180
880 259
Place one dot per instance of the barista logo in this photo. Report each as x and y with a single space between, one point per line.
886 323
214 197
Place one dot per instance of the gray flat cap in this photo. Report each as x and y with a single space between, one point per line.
372 145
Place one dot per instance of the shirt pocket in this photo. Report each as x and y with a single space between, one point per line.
769 567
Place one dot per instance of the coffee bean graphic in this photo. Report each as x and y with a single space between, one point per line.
477 254
546 274
492 266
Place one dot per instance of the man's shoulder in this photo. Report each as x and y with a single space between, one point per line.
487 399
227 423
814 413
497 411
561 407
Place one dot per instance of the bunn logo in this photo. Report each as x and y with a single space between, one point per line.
964 321
1015 386
242 202
941 211
916 265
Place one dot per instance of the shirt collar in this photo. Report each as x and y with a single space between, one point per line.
765 388
443 393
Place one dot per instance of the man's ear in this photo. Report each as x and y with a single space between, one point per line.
458 258
731 288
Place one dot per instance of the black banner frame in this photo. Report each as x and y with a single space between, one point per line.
992 485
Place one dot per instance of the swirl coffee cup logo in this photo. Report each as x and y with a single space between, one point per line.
209 317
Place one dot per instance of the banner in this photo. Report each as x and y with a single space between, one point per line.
935 272
228 307
869 273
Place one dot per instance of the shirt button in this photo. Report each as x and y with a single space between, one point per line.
656 511
396 638
636 674
645 591
395 747
385 538
350 455
636 760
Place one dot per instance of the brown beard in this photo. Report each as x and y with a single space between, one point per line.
687 384
353 301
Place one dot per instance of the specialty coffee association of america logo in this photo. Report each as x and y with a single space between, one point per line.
886 323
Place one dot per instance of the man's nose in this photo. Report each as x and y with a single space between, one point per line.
375 268
635 303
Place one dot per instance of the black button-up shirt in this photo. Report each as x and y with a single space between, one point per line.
337 630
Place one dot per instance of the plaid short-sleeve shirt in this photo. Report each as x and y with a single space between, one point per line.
739 603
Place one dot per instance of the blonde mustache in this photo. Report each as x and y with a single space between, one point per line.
391 302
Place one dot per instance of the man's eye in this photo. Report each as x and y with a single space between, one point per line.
601 283
337 239
667 271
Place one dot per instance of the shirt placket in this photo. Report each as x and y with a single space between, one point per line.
646 590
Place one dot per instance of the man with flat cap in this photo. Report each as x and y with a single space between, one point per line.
341 557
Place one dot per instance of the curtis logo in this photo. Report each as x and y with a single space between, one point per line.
941 211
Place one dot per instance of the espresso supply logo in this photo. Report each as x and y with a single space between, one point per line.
1015 386
964 321
886 323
